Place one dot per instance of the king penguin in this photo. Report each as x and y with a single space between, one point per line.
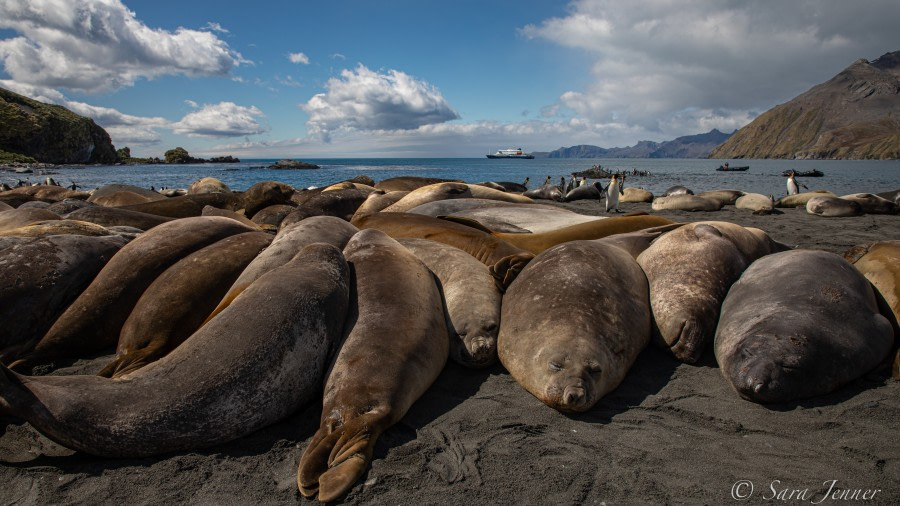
793 187
612 195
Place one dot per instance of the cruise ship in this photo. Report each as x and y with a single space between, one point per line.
511 153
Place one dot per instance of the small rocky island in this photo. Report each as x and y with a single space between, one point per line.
292 165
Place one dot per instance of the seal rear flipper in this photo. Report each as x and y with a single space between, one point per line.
15 398
133 360
226 301
507 268
333 463
469 222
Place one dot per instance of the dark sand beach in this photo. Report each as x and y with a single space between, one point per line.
670 434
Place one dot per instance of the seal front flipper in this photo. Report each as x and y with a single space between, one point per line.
507 268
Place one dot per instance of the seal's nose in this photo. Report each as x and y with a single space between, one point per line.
573 395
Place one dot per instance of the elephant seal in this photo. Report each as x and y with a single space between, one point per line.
464 205
778 342
833 207
429 193
574 322
471 297
64 207
263 194
635 195
188 206
93 321
879 262
690 203
504 260
180 299
114 216
507 186
234 215
800 199
483 192
41 277
409 183
584 192
873 204
290 240
5 207
893 196
35 204
122 198
256 364
58 227
110 189
726 197
690 271
376 202
341 203
596 229
635 243
395 347
546 192
208 185
756 202
15 218
530 218
272 215
677 190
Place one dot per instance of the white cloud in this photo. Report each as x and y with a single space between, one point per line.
366 100
216 27
298 58
225 119
98 45
696 64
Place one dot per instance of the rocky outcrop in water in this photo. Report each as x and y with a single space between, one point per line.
854 116
292 164
51 133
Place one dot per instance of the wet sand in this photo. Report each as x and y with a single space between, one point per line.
671 433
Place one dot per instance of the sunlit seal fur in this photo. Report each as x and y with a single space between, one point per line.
15 218
395 347
524 218
377 201
798 324
574 322
113 216
755 202
682 202
677 190
471 298
726 197
833 207
873 204
256 364
58 227
93 321
208 185
800 199
633 195
595 229
409 183
545 192
180 299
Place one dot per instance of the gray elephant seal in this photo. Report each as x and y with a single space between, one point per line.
546 192
690 271
726 197
471 297
800 199
779 341
395 347
682 202
570 331
873 204
257 363
677 190
833 207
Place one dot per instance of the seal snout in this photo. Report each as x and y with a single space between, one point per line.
574 397
483 349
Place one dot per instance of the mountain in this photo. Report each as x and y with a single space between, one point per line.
688 146
50 133
854 115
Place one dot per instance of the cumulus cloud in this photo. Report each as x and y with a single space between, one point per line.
100 45
225 119
363 99
122 128
661 64
298 58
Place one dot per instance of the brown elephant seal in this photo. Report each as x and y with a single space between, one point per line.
341 203
290 240
429 193
833 207
110 189
461 206
755 202
5 207
690 271
15 218
471 298
635 243
409 183
175 305
376 202
58 227
234 215
41 277
584 192
677 190
596 229
873 204
114 216
525 218
66 206
680 202
636 195
93 321
798 324
272 215
35 204
44 192
122 198
188 206
483 192
893 196
574 322
546 192
726 197
254 365
208 185
395 347
800 199
504 260
879 262
263 194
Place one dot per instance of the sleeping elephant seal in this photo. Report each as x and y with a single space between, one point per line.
58 227
263 194
409 183
256 364
756 202
691 203
634 195
677 190
208 185
395 347
574 322
41 277
471 297
726 197
376 202
15 218
833 207
690 271
873 204
504 260
798 324
114 216
93 321
546 192
800 199
584 192
180 299
429 193
290 240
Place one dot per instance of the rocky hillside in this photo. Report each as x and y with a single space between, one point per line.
50 133
688 146
855 115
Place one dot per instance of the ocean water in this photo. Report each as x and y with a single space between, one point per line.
764 176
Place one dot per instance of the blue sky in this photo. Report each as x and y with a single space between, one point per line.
351 78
